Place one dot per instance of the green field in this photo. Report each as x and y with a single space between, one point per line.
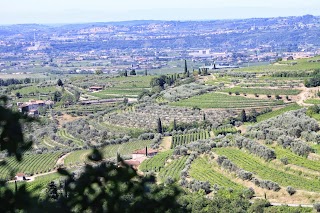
34 90
219 100
155 163
31 164
278 112
202 170
178 140
316 147
40 183
117 93
312 101
173 169
262 91
302 65
109 151
268 171
115 82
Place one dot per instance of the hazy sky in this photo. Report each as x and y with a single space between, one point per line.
80 11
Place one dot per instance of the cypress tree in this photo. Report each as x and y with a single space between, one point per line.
59 82
174 124
146 72
159 126
185 67
243 116
204 116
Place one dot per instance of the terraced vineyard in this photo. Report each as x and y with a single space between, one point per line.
109 151
36 163
86 109
35 187
63 133
219 100
118 92
50 143
296 159
278 112
155 163
34 90
202 170
173 169
178 140
312 101
268 171
263 91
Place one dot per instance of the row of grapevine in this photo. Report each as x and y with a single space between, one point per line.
296 159
174 169
155 163
109 151
63 133
269 171
35 163
220 100
178 140
202 170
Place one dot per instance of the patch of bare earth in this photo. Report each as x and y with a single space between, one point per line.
242 128
306 94
166 143
60 161
65 118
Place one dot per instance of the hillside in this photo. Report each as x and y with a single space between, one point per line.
235 129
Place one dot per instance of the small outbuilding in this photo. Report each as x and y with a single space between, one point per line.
144 152
20 177
95 88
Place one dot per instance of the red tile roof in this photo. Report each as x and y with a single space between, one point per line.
143 151
20 174
132 162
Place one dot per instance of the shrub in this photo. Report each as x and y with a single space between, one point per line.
291 191
248 193
284 161
316 206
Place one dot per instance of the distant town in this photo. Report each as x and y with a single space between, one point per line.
155 45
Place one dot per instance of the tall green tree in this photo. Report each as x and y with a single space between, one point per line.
243 116
57 96
159 126
52 191
185 67
133 72
59 82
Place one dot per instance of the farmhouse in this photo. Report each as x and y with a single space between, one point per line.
139 156
95 88
20 177
144 152
32 107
